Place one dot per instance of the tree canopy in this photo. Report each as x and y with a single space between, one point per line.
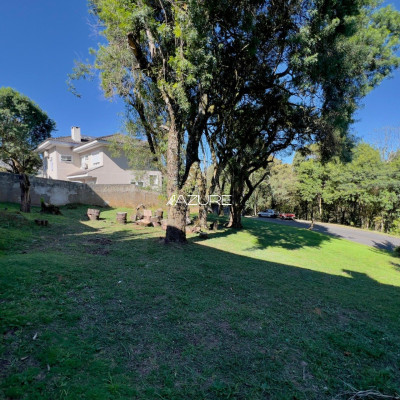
255 77
362 192
291 74
23 125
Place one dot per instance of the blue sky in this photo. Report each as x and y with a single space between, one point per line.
39 41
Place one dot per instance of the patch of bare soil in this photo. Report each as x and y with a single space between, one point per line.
99 246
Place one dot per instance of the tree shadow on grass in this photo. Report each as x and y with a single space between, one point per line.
344 232
147 321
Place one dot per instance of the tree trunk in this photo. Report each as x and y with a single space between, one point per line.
236 207
235 218
176 225
343 218
273 202
24 184
203 200
320 206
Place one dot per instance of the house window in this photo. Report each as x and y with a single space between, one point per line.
84 162
140 183
96 159
153 180
65 158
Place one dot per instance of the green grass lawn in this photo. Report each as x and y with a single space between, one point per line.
96 310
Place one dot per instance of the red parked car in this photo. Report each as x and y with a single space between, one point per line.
287 216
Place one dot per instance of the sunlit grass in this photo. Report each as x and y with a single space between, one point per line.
98 310
310 250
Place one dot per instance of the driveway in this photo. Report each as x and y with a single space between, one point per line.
370 238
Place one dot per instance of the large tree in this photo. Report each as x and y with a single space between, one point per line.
255 76
293 73
157 59
23 125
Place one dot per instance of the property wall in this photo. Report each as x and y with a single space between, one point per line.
60 192
127 195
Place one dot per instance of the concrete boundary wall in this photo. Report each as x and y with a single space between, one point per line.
62 192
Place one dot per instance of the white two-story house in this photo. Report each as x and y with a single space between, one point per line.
86 159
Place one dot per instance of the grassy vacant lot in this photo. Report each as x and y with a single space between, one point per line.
95 310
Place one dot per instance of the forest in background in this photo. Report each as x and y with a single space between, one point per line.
362 191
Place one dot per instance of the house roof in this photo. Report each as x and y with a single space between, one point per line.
81 172
4 165
115 136
85 140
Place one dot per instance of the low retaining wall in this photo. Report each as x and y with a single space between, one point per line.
126 195
62 192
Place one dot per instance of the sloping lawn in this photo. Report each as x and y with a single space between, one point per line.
96 310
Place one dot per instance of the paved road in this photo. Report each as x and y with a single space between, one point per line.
378 240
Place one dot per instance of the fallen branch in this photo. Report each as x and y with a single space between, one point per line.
371 395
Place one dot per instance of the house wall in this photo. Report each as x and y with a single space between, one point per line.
90 159
65 168
112 170
116 170
61 169
51 171
60 192
144 176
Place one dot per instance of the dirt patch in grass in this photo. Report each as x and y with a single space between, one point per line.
100 241
97 246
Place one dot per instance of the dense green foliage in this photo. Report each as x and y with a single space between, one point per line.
364 192
23 125
254 77
304 70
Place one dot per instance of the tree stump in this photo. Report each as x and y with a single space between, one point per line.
144 222
47 208
121 217
160 213
147 214
93 214
155 221
140 211
41 222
